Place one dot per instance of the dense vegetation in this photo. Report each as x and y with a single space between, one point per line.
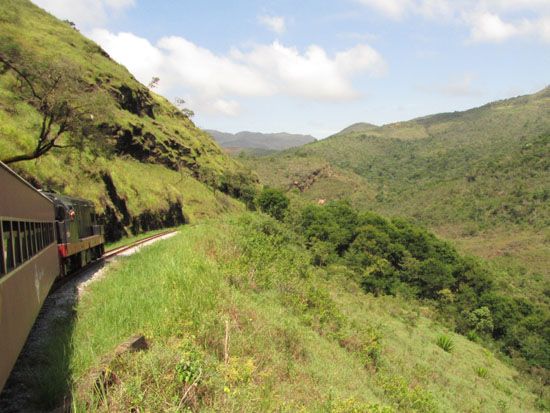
396 257
238 319
95 132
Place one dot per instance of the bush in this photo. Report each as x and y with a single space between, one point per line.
273 202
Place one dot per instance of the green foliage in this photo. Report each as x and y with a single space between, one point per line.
446 343
273 202
480 320
190 368
393 256
482 372
407 397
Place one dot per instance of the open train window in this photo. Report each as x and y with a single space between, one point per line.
26 241
32 238
16 234
7 246
43 232
38 236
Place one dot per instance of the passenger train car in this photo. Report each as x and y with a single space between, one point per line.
43 236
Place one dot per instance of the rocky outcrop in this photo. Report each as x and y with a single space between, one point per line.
305 182
136 101
118 221
145 147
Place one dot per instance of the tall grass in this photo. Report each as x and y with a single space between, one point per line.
289 346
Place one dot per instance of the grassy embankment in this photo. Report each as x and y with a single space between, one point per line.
300 338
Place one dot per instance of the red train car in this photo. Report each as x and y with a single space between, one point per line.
29 262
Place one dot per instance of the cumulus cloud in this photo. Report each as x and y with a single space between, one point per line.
86 14
487 20
490 28
214 81
273 23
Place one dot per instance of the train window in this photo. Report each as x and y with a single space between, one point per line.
27 240
41 236
39 241
30 236
7 246
43 233
17 244
49 233
32 231
23 242
34 227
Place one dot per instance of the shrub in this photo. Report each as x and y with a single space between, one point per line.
446 343
273 202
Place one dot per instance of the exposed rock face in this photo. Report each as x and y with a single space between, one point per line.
136 101
303 184
117 217
145 147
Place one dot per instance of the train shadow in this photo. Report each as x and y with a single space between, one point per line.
41 380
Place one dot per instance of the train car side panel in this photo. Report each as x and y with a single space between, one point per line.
29 262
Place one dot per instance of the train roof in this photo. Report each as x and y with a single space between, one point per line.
67 200
23 180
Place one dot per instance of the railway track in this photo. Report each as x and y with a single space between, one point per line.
109 254
115 251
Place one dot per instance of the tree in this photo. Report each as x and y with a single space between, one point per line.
180 104
154 82
273 202
69 110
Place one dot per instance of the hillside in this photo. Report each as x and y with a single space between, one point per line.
479 178
257 140
264 330
139 158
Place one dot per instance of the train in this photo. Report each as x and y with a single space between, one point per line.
44 236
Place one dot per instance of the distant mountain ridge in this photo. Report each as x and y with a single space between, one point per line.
257 140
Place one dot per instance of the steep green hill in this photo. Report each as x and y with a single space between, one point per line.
136 155
480 178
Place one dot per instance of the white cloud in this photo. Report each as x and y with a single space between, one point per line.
86 14
142 58
487 20
273 23
391 8
488 27
214 81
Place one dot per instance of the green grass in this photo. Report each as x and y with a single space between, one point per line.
301 338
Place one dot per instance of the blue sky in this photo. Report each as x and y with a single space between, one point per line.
318 66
